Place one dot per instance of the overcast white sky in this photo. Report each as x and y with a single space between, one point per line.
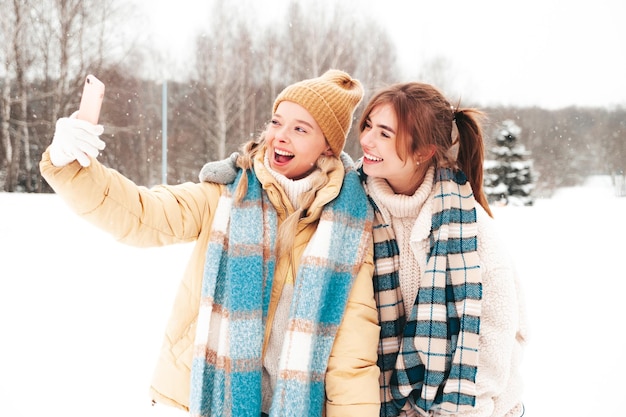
550 53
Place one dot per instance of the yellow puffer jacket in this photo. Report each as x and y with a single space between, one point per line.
171 214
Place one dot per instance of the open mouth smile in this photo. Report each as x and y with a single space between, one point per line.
371 157
281 156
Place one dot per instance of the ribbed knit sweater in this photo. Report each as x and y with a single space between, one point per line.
404 210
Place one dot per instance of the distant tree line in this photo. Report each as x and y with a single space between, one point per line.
567 145
223 99
224 95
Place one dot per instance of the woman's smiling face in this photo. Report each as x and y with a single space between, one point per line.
380 155
294 141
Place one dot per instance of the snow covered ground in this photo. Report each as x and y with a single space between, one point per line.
81 316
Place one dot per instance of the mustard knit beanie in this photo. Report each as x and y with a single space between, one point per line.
331 99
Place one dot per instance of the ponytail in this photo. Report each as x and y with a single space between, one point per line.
471 154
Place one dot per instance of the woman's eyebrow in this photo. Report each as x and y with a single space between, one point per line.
382 126
304 122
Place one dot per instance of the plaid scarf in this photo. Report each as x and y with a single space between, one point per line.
430 358
227 364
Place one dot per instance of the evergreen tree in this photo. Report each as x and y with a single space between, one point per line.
509 177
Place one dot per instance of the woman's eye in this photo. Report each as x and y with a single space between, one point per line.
274 122
301 130
385 134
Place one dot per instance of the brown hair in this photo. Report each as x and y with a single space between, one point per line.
425 118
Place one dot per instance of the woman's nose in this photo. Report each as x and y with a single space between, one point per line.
364 138
281 134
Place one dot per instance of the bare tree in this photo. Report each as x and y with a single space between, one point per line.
7 32
319 37
224 68
6 149
269 66
316 39
239 69
66 39
438 71
15 133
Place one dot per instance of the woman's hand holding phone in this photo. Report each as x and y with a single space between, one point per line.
77 137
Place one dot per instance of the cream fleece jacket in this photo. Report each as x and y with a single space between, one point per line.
503 323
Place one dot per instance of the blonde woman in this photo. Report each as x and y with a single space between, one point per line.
276 313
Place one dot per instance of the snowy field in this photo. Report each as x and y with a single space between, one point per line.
81 316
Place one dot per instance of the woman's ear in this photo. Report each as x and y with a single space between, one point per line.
427 152
328 151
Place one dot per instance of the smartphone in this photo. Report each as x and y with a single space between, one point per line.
91 101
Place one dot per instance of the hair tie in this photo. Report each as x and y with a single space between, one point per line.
453 150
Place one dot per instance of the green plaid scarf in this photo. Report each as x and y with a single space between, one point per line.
430 358
227 365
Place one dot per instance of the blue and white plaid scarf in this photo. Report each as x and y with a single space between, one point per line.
239 267
430 358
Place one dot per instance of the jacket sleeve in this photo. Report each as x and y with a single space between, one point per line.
352 374
133 214
502 328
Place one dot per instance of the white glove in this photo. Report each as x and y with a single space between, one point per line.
75 139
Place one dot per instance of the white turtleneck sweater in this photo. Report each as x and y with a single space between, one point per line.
403 211
502 328
293 188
